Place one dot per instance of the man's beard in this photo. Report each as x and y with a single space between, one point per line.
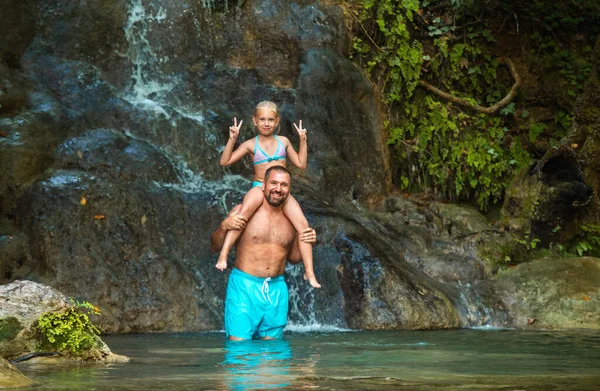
275 202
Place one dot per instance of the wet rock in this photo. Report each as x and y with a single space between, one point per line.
384 296
13 253
18 29
558 293
110 153
10 377
547 202
29 122
288 29
331 92
91 33
137 250
23 303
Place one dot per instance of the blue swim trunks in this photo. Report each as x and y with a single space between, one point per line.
256 183
255 307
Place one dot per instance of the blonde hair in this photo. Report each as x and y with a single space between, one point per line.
266 104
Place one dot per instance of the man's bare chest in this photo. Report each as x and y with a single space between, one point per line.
264 230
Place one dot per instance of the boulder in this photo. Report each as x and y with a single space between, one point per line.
10 377
400 269
23 303
552 293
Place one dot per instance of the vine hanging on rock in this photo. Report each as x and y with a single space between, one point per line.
486 110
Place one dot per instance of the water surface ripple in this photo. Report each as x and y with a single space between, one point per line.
411 360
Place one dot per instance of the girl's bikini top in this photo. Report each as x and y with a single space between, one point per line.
261 156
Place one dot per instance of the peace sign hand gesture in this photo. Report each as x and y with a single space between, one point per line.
234 131
300 130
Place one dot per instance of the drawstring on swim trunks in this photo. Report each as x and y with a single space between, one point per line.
265 290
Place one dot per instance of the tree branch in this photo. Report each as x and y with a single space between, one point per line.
486 110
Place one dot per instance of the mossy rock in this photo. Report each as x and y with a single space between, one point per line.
9 328
553 293
548 202
11 377
25 303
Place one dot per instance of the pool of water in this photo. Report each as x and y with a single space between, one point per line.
415 360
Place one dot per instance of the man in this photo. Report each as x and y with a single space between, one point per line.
256 303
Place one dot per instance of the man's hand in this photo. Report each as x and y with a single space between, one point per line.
308 235
234 221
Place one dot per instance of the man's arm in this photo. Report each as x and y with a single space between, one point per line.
233 221
308 236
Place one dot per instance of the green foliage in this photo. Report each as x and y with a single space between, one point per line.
9 328
446 149
535 130
529 244
589 244
557 41
69 330
391 55
463 164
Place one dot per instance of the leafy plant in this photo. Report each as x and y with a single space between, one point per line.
589 244
442 148
529 244
69 329
389 54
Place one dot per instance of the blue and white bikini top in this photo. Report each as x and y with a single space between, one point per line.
261 156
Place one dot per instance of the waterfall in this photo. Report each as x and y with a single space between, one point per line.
149 84
224 193
475 313
303 311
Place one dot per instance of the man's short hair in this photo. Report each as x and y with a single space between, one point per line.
277 169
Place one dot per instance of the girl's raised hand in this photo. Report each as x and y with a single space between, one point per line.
300 130
234 131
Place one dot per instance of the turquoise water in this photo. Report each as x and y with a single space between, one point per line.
411 360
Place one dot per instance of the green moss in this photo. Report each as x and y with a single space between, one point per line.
9 328
590 115
69 330
449 150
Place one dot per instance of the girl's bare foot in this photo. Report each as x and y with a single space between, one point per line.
222 262
312 281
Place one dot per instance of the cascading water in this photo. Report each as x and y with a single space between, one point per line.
150 92
146 80
303 304
226 192
476 313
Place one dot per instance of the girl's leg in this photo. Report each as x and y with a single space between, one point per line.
252 200
293 212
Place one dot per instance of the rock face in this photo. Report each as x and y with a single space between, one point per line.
551 200
113 117
10 377
547 202
406 266
553 293
112 120
23 303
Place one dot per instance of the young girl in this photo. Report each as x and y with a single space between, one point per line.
268 150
